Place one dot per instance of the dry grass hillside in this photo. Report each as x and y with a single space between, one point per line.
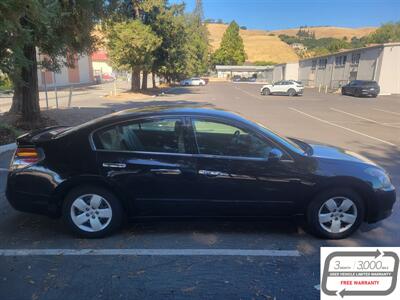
259 46
327 31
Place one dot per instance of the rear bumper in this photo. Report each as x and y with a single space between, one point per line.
37 204
382 206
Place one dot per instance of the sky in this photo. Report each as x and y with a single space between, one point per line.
282 14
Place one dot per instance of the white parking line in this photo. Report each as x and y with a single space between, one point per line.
147 252
342 127
387 111
248 93
363 118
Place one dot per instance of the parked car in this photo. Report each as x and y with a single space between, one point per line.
191 161
359 88
284 87
193 81
237 78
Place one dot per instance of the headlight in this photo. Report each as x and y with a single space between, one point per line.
382 177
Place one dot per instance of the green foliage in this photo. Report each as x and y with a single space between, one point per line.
5 83
182 48
264 63
322 45
57 28
231 50
387 33
131 44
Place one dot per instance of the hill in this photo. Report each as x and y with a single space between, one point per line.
259 46
327 31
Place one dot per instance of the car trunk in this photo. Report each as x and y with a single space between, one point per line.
35 137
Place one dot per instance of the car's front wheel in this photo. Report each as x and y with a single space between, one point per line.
335 213
92 212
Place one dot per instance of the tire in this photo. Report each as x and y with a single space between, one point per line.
291 92
93 202
343 92
266 92
349 220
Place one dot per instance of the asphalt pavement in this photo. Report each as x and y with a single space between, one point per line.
205 259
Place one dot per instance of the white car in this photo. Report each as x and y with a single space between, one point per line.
285 87
193 81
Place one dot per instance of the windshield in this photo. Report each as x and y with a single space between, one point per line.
283 141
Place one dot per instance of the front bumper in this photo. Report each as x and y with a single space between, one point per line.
382 206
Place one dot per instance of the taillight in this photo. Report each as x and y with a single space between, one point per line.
24 157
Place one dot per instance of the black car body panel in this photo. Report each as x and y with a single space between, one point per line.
190 183
360 88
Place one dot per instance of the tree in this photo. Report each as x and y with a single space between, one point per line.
198 10
171 55
131 46
387 33
56 28
231 50
264 63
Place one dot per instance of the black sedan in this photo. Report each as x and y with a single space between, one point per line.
192 162
361 88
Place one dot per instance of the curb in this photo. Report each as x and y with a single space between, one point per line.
8 147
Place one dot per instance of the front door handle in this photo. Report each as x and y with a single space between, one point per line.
212 173
114 165
166 171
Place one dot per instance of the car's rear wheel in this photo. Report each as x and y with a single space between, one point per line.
92 212
335 213
291 92
266 92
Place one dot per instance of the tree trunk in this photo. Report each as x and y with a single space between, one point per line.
153 79
135 82
26 91
144 80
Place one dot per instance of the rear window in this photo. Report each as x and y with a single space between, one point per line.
167 135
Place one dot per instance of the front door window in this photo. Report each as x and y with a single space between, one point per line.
215 138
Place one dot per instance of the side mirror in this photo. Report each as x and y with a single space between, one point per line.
275 155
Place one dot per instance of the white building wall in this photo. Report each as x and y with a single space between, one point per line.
292 71
389 71
61 77
277 73
84 70
334 75
102 67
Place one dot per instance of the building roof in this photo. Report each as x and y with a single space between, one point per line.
353 50
100 55
243 68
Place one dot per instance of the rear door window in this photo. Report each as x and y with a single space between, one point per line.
167 135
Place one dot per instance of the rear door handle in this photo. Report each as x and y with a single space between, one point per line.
212 173
114 165
166 171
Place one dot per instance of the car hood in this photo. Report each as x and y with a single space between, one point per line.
335 153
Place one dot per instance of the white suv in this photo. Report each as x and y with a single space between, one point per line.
286 87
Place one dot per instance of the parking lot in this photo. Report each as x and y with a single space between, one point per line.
272 259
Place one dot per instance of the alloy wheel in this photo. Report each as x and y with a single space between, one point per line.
91 213
337 214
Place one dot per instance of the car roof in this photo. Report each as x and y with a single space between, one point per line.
161 110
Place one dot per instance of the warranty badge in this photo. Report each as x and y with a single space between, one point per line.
360 273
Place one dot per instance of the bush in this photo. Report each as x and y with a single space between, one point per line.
5 83
8 134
